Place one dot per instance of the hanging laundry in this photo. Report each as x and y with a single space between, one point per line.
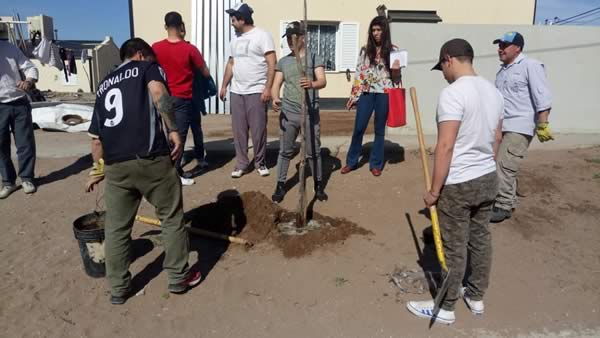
72 64
55 60
42 51
84 55
63 56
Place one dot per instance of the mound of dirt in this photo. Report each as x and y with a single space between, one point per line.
254 217
262 216
332 230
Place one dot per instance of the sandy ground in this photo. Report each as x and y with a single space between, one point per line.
545 275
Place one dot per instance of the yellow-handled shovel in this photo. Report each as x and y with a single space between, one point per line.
437 236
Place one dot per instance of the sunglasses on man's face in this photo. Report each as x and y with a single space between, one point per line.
503 45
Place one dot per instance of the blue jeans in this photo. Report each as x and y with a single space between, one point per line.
185 118
15 118
367 103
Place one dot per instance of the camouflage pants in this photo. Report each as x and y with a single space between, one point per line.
464 211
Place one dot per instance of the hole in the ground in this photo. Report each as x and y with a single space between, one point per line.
254 217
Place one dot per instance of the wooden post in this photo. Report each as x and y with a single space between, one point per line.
301 211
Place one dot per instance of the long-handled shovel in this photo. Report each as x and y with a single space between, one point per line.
437 237
199 232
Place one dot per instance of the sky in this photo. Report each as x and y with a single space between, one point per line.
548 9
95 19
79 19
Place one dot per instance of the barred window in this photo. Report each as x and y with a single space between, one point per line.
322 41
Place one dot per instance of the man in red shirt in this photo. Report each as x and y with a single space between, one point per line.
180 59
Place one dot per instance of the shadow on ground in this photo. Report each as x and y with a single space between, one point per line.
225 216
393 154
83 163
426 257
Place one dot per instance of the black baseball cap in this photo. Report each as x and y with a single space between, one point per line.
243 9
513 38
173 19
453 48
294 27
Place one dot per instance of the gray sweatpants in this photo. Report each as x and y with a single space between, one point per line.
511 154
249 112
289 128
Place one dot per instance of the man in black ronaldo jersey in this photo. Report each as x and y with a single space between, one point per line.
130 149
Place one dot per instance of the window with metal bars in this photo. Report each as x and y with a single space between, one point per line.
322 41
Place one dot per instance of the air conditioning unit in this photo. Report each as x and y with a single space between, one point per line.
43 24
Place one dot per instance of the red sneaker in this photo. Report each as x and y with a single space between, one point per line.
193 279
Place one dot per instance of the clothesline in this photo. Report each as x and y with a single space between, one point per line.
50 53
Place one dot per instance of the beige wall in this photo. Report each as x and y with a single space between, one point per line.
463 11
149 16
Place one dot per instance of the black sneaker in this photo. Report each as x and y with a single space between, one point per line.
279 193
195 171
120 300
202 164
320 192
193 279
499 215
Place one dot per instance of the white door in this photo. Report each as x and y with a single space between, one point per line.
211 33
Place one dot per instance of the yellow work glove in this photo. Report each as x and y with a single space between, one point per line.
542 130
96 175
97 169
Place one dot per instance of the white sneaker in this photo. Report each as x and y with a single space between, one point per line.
476 306
28 187
263 171
237 173
7 190
187 181
424 309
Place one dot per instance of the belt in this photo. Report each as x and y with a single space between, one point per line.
151 156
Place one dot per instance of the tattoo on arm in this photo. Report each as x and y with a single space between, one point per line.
166 108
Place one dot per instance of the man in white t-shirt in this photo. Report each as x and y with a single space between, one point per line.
464 184
250 69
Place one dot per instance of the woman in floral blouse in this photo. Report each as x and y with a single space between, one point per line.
373 75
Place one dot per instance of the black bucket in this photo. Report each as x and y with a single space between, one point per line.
89 231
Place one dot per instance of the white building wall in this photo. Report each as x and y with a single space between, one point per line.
570 55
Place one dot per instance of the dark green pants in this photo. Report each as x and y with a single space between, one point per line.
464 211
126 183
